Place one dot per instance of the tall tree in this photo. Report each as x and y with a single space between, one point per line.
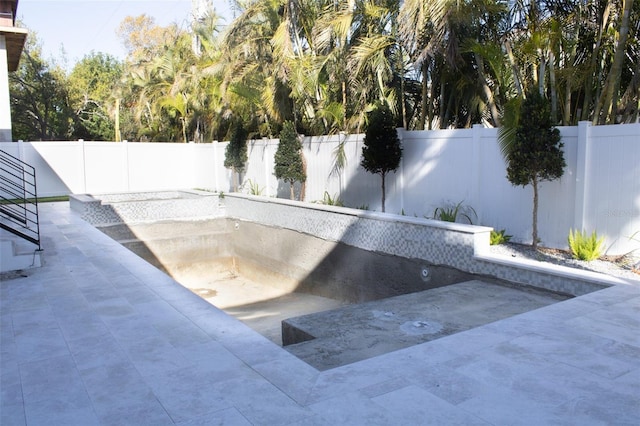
254 74
605 110
39 98
381 152
536 152
143 38
91 86
162 89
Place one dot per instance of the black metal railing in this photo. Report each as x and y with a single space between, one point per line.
18 199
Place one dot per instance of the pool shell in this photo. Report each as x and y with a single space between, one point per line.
391 302
326 251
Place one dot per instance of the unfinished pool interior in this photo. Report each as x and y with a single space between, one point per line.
332 303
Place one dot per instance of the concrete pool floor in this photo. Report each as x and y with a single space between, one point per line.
98 336
344 332
261 307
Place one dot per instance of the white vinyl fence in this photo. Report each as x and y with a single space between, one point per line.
600 189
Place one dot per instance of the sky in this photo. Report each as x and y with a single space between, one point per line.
82 26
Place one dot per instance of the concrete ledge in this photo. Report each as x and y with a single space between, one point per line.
436 242
138 207
367 214
587 277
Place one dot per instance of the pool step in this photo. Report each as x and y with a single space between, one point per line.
341 336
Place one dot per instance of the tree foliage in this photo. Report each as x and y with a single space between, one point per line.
235 156
143 39
91 87
535 154
323 64
39 98
289 165
381 152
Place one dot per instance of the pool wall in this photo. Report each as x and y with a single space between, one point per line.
464 247
171 245
280 258
331 268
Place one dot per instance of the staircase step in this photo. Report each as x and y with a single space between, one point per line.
14 258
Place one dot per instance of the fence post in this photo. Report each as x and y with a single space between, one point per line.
476 171
400 131
582 163
125 146
216 182
265 164
83 166
21 150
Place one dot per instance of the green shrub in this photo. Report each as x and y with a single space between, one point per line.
535 153
585 247
452 213
499 237
327 200
253 187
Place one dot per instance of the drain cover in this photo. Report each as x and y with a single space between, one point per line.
421 327
204 292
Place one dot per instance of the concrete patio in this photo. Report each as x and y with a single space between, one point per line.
98 336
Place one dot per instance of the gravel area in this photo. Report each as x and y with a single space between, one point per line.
625 266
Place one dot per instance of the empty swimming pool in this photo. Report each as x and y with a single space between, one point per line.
328 303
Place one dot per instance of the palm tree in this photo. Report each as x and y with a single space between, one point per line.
604 110
254 73
323 64
445 39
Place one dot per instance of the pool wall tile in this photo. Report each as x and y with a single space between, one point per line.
464 247
146 207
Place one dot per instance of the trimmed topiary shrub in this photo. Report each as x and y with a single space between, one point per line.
381 152
235 155
289 164
535 154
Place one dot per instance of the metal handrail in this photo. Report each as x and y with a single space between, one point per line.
18 199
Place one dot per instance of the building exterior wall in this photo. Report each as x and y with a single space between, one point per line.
5 105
